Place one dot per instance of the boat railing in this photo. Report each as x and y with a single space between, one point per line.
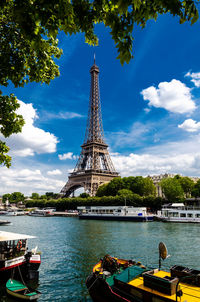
185 208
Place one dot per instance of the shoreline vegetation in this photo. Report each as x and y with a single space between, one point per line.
136 191
62 204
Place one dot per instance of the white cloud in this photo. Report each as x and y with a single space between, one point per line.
28 181
61 115
195 78
190 125
181 157
173 96
68 155
32 139
54 172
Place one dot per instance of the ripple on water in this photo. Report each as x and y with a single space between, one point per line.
70 247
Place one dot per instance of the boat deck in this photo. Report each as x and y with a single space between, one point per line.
190 293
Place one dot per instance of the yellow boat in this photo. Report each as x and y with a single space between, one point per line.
119 280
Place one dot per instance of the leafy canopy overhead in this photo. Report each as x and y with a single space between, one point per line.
29 45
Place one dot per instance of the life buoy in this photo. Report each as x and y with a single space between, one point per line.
19 245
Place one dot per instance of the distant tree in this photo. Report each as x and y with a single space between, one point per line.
125 193
172 189
196 189
6 197
102 190
149 188
43 197
84 195
136 185
114 186
50 195
154 203
187 184
35 196
128 181
16 197
177 176
142 186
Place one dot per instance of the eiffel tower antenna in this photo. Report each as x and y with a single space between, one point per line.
94 166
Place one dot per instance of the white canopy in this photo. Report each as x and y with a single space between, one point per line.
6 236
178 204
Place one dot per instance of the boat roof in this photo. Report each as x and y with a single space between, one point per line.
177 205
6 236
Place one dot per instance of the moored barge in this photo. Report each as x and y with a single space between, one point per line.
117 280
15 257
121 213
178 212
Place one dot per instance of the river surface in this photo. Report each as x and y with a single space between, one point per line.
70 247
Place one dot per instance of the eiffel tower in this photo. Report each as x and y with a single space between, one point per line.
94 166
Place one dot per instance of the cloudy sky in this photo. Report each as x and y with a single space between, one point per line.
150 109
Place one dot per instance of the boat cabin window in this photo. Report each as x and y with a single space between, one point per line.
173 214
190 215
11 248
197 215
182 215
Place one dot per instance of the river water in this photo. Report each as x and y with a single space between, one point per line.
70 247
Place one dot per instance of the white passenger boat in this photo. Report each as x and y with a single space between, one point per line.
16 213
15 257
41 212
124 213
178 212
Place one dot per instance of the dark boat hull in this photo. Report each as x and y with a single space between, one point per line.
26 266
117 218
100 291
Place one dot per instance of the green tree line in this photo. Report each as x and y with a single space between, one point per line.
127 186
134 191
63 204
178 188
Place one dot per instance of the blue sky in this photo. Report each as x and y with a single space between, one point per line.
150 109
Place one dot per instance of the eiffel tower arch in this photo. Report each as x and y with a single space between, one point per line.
94 166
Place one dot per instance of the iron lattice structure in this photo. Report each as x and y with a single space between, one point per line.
94 166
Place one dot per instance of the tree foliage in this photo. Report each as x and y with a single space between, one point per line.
72 203
127 185
5 197
29 45
35 196
172 189
196 189
14 197
84 195
187 185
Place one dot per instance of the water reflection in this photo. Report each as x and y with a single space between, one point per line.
70 247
